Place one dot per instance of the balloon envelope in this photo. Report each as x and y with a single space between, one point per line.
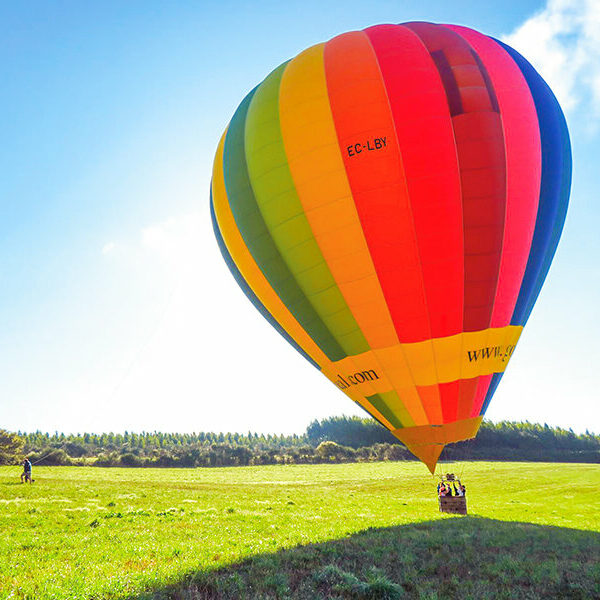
390 201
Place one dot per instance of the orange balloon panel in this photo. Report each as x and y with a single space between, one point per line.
390 201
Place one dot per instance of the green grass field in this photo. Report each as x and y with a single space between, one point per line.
367 530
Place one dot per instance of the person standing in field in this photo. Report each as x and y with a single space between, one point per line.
26 474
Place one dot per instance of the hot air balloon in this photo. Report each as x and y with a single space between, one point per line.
390 201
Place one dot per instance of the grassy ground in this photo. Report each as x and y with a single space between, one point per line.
317 531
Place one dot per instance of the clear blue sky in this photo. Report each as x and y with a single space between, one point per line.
116 311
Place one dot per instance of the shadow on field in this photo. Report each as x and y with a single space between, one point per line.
467 557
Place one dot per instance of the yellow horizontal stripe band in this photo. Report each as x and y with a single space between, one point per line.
403 366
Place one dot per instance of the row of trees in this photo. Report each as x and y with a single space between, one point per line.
357 432
337 439
83 444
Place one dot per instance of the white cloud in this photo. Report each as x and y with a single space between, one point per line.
175 244
563 44
108 248
177 241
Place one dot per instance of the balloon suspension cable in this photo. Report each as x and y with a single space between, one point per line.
35 462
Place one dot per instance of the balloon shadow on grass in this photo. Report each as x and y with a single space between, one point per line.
469 557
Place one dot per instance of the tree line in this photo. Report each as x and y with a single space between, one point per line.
336 439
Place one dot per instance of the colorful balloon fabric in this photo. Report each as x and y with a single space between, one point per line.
390 201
